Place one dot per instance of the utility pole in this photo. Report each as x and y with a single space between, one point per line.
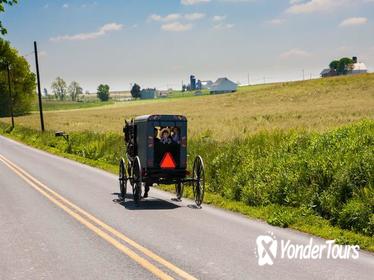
303 75
39 90
10 97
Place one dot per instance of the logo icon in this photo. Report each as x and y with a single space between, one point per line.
267 247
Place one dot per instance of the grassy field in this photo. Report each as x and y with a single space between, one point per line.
55 105
297 155
315 105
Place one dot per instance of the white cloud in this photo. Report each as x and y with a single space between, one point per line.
194 16
219 18
169 17
109 27
222 26
65 6
193 2
174 17
176 27
312 6
276 21
237 1
294 53
353 21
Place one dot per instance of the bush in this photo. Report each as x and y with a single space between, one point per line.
357 216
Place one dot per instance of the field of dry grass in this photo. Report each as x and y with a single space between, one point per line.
311 105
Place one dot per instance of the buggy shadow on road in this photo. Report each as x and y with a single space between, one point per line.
151 203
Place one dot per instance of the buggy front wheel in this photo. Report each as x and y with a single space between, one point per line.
123 177
198 182
136 179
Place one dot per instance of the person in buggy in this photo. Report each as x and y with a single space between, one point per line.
165 136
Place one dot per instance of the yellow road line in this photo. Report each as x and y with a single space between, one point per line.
146 264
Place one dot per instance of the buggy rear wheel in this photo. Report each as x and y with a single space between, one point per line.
136 179
198 183
123 177
179 188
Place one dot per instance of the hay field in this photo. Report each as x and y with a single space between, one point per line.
310 105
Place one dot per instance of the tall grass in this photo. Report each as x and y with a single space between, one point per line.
330 174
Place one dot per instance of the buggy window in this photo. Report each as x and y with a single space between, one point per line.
166 140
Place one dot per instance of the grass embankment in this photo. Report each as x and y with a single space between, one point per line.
320 183
316 105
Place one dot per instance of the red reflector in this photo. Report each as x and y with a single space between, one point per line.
167 162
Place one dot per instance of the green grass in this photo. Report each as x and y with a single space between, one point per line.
320 183
55 105
180 94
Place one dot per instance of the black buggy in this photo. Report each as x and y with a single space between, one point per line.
156 153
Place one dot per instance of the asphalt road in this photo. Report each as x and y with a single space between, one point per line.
59 220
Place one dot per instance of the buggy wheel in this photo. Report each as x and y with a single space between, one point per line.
179 188
136 179
123 177
198 184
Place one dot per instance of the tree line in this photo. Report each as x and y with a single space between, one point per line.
20 79
61 90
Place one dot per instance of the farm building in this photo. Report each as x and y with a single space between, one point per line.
120 95
358 68
206 84
328 73
148 93
223 85
352 69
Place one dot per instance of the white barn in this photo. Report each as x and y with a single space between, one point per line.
358 68
223 85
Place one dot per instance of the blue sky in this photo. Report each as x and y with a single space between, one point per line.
158 43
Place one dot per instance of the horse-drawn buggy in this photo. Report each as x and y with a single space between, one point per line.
156 153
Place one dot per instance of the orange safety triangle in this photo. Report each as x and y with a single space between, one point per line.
168 161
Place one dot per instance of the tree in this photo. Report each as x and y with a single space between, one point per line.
135 91
103 92
345 64
334 64
3 30
59 88
75 90
22 81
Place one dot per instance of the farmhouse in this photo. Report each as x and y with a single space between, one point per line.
148 93
223 85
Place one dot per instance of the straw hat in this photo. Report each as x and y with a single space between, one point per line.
163 130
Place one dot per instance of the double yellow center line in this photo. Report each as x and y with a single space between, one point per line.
106 232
